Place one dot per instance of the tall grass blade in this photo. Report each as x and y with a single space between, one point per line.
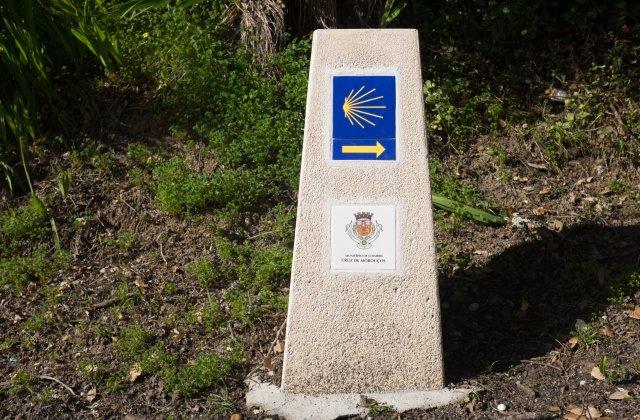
463 210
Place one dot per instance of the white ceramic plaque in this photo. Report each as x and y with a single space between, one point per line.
363 237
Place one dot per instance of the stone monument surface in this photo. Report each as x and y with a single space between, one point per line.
364 313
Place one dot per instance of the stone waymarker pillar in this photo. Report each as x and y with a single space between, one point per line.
364 313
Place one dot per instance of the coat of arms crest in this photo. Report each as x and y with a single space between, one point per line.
363 231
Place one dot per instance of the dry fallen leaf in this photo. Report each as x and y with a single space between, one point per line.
571 416
176 335
141 284
536 165
595 372
555 224
279 347
134 372
634 313
606 330
539 211
544 190
554 408
91 395
236 417
266 363
573 341
574 409
593 412
620 394
471 407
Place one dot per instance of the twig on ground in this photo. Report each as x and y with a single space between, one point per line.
161 251
257 235
270 351
128 205
621 126
59 382
162 254
533 362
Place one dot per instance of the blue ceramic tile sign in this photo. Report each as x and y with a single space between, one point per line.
364 118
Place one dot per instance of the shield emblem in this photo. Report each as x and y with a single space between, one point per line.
364 227
364 230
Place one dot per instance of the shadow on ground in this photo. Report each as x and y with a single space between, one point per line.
526 300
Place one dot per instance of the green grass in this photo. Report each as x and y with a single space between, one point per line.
261 274
136 346
204 271
461 200
622 284
16 272
97 372
124 240
208 372
613 371
587 334
131 342
178 190
21 382
212 315
28 221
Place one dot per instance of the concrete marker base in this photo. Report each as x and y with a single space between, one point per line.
272 400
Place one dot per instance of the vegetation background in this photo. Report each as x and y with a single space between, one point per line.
150 152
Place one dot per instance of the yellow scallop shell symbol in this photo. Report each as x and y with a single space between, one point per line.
360 108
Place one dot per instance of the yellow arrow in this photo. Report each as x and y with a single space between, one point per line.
378 149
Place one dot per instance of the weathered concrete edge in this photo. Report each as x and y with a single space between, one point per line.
271 400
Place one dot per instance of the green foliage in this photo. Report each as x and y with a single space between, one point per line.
96 155
135 346
139 153
29 221
21 382
209 371
621 285
251 122
456 112
132 341
452 195
156 361
212 314
44 44
613 371
586 333
179 190
469 212
203 270
38 321
390 12
221 402
95 372
261 274
124 240
481 81
63 179
374 407
45 316
17 271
